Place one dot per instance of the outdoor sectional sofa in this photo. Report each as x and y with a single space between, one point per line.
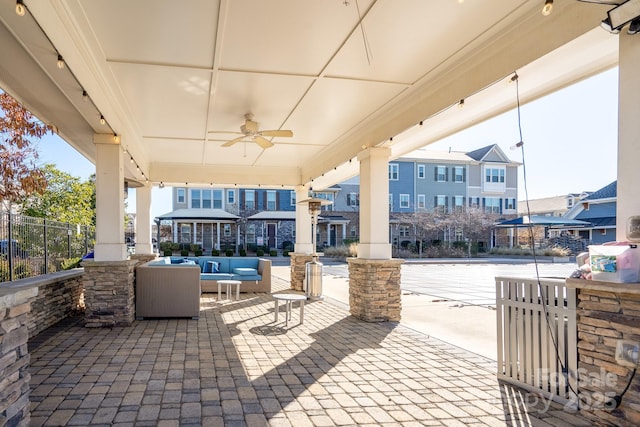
253 272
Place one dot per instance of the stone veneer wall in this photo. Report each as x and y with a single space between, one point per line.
604 317
109 293
374 289
299 270
60 295
14 356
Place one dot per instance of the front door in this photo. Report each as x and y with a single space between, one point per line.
271 235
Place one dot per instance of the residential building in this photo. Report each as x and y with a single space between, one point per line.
424 181
551 206
599 210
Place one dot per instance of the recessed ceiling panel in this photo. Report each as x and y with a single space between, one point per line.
166 101
174 151
286 36
155 31
334 106
401 41
270 97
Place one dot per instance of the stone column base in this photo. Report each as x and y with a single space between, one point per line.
109 293
374 289
299 269
142 258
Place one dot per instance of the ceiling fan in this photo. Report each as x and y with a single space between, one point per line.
250 130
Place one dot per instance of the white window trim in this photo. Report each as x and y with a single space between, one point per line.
394 169
422 201
407 198
422 170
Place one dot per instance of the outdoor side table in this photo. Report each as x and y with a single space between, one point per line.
289 299
228 284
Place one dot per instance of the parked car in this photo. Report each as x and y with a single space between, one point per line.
16 250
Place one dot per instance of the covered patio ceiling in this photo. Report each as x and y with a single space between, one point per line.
170 76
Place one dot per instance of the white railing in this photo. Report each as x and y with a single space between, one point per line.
537 336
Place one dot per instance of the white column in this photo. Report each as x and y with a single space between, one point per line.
110 244
143 220
628 202
344 232
218 235
304 243
195 232
174 226
374 204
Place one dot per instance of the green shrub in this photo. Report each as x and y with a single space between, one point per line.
215 252
285 253
194 247
184 252
259 252
252 247
229 252
243 252
287 245
70 263
273 252
168 252
165 246
22 271
197 252
175 247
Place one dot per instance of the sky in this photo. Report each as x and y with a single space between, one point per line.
570 143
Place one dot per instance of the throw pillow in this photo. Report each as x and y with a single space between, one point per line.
208 267
216 267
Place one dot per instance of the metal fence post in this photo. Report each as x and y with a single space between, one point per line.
9 246
46 246
69 240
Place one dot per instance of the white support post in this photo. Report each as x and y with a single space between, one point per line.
304 242
143 220
374 204
628 202
110 244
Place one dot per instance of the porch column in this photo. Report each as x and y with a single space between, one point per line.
110 244
218 235
628 202
374 278
304 243
109 278
143 220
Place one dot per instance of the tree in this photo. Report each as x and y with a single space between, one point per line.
66 199
20 175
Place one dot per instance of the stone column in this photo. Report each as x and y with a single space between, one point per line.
374 278
14 356
628 202
299 270
143 220
109 293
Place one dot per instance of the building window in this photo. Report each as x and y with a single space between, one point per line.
459 235
422 202
196 199
403 231
181 193
422 171
458 174
206 199
227 230
510 203
251 233
492 205
494 175
569 202
441 204
231 197
185 233
353 231
474 202
404 201
326 196
441 173
353 199
394 171
271 200
249 199
458 203
390 202
292 197
217 199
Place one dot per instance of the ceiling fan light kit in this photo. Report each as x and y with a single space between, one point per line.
250 130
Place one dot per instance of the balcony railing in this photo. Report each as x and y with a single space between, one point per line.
34 246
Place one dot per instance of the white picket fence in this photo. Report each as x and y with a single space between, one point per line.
537 336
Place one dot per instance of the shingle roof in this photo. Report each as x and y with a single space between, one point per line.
606 192
480 152
203 214
276 215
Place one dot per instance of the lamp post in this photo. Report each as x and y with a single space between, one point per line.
313 283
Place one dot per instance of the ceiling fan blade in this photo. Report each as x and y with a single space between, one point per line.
279 133
262 142
225 131
233 141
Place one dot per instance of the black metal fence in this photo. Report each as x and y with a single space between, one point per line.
34 246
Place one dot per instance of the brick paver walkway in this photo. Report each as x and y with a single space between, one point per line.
236 367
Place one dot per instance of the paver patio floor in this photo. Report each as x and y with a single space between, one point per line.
236 367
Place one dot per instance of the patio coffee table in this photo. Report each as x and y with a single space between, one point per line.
229 284
289 299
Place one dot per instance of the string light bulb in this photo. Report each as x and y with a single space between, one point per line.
461 104
102 120
161 184
85 96
60 62
20 8
547 8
